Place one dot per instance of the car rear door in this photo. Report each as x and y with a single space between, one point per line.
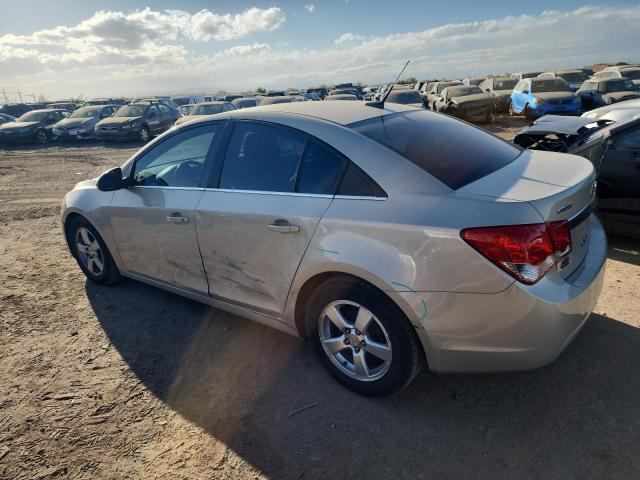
272 186
153 220
154 119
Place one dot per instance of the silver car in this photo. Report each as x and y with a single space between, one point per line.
390 237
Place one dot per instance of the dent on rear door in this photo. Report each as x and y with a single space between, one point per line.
246 262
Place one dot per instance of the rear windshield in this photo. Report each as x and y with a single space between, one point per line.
573 77
454 152
404 96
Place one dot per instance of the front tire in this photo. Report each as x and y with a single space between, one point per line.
91 252
490 116
362 337
144 135
528 115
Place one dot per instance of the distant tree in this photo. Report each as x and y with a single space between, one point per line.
260 90
408 80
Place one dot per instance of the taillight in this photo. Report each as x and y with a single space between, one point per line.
526 252
560 234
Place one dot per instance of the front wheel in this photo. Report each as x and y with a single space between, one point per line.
362 338
144 135
490 116
91 252
528 114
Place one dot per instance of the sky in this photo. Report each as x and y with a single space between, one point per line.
68 48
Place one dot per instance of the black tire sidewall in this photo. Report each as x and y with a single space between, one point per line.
110 272
406 353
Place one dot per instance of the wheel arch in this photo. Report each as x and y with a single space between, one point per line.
312 282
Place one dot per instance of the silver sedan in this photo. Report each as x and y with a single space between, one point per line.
391 237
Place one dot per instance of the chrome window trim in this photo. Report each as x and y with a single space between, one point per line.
169 187
266 192
356 197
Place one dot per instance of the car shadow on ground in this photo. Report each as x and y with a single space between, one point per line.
624 249
263 394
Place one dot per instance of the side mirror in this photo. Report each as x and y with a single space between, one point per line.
110 180
488 90
526 92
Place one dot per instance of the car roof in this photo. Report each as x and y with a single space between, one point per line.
342 113
47 110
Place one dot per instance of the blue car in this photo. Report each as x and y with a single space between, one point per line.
534 97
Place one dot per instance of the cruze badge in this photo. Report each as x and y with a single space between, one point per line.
564 208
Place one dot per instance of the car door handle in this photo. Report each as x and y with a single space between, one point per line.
283 226
176 217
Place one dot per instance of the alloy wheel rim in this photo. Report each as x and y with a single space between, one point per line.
144 135
42 137
355 341
89 251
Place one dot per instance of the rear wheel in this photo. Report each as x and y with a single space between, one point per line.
91 252
42 137
362 338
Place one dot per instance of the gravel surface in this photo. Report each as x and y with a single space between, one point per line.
130 381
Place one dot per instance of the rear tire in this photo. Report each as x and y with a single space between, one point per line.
41 137
346 352
91 252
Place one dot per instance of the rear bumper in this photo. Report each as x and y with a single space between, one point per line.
520 328
566 109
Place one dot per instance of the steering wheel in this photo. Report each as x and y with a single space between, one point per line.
186 170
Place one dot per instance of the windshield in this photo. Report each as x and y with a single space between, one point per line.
206 109
404 96
86 112
506 84
632 74
442 86
455 153
462 91
549 85
131 111
33 117
181 101
620 85
573 77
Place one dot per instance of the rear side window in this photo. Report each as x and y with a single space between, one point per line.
262 158
452 151
356 183
320 171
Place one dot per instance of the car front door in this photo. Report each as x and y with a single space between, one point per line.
153 220
253 228
619 179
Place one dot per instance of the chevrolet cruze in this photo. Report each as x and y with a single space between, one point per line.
391 238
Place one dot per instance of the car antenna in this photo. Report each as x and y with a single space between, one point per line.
380 103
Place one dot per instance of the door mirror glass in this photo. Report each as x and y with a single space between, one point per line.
110 180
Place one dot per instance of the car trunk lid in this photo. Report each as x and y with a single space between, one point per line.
558 186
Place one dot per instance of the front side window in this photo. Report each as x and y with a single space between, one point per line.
262 158
179 160
164 110
452 151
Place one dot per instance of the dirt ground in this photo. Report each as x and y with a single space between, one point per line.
133 382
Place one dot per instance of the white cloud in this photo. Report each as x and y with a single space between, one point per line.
145 52
310 7
348 38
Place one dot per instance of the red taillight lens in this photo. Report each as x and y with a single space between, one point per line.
560 234
527 252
